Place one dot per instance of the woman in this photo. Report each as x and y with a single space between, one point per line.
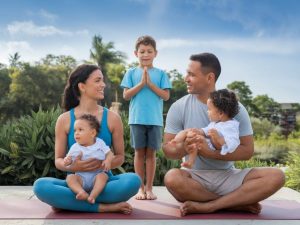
82 93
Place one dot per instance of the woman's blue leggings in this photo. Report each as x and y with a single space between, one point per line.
56 193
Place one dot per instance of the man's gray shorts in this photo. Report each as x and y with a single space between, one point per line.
220 182
145 136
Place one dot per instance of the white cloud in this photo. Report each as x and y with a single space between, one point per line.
31 29
47 15
250 45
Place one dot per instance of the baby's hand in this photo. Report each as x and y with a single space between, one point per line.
216 139
106 164
67 160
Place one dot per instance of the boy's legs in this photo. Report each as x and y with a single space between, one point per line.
99 184
150 173
75 184
139 158
138 135
154 139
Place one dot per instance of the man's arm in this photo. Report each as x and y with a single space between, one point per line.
244 151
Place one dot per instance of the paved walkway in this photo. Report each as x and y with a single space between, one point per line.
25 192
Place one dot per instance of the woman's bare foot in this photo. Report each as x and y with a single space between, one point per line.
150 195
57 210
82 195
141 195
190 207
122 207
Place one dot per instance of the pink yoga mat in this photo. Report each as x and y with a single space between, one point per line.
145 210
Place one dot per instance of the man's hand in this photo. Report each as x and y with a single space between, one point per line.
197 142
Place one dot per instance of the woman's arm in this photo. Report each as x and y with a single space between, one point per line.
115 126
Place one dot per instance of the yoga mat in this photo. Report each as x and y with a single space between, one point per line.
14 208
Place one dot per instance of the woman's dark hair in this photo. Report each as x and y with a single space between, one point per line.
71 93
225 101
92 121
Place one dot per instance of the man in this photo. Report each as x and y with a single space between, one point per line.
213 183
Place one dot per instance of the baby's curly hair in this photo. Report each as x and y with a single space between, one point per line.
92 120
225 101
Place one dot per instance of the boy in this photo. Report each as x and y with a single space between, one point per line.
146 87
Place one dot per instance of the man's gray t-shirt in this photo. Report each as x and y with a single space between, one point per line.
189 112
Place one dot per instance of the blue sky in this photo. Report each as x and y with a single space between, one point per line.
257 41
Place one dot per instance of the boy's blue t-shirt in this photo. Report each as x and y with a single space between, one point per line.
146 107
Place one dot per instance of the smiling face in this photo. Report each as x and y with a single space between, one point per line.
84 134
197 82
93 86
146 55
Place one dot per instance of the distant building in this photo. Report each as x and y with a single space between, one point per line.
287 118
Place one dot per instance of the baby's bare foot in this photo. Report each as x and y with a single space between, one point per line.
82 195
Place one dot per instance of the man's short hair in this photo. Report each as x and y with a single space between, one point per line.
209 63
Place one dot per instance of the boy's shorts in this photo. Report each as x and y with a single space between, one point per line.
145 136
220 182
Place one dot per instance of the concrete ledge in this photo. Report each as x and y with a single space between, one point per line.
25 192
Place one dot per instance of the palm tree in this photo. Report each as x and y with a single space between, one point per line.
103 54
14 60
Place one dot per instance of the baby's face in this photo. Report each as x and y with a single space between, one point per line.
83 133
213 113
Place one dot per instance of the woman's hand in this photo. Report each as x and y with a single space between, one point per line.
85 165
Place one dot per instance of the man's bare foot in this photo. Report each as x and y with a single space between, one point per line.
82 195
187 164
122 207
150 195
141 195
190 207
253 208
91 199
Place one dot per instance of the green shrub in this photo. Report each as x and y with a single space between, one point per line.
28 148
253 162
293 171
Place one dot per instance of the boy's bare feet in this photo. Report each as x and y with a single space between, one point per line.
150 195
82 195
141 195
122 207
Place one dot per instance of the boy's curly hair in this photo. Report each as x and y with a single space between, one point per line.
225 101
145 40
92 121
